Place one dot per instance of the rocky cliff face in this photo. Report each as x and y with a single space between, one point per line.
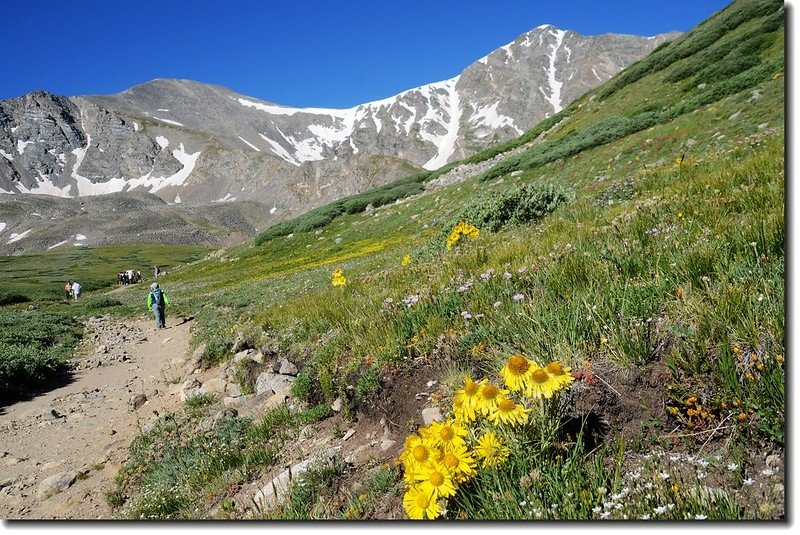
200 144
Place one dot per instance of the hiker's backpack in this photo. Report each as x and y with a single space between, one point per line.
158 298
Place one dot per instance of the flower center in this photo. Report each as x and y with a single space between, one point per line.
447 433
436 478
450 460
539 375
506 405
420 453
518 364
422 500
490 392
555 368
471 389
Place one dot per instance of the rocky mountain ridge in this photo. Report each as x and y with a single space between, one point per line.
204 145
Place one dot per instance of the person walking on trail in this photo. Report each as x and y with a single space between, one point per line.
68 290
76 290
157 300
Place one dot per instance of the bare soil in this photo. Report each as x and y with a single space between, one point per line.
83 429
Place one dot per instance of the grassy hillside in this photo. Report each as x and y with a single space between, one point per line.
635 240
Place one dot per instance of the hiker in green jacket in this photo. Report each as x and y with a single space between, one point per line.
157 300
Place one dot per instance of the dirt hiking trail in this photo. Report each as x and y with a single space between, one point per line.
60 451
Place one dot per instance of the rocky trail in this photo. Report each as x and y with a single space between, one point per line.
60 451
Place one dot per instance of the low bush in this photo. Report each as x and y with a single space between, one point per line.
518 206
12 298
34 347
98 303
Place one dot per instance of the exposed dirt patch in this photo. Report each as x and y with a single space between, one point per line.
60 450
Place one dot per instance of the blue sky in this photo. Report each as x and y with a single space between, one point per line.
334 54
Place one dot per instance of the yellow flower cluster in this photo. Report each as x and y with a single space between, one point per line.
444 455
406 260
462 229
528 378
338 278
435 461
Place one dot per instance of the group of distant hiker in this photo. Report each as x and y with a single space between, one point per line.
129 277
157 299
72 289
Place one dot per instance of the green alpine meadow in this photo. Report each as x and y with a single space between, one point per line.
584 323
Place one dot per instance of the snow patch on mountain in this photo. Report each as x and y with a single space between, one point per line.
554 98
45 186
169 121
157 183
59 244
162 142
17 237
446 143
278 150
9 157
249 144
489 117
22 144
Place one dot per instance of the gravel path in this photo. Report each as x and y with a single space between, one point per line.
60 451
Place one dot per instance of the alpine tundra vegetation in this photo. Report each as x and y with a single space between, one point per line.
583 321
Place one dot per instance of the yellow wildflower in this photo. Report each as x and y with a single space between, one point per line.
560 374
417 454
489 395
462 229
460 463
466 400
406 260
445 435
542 384
491 450
516 372
508 412
420 504
437 480
338 278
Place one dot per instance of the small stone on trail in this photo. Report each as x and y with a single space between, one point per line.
137 400
431 414
56 483
51 414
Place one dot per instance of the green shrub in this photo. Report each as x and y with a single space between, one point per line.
515 207
368 383
34 347
102 302
11 298
302 388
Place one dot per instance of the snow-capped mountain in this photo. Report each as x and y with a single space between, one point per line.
194 143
